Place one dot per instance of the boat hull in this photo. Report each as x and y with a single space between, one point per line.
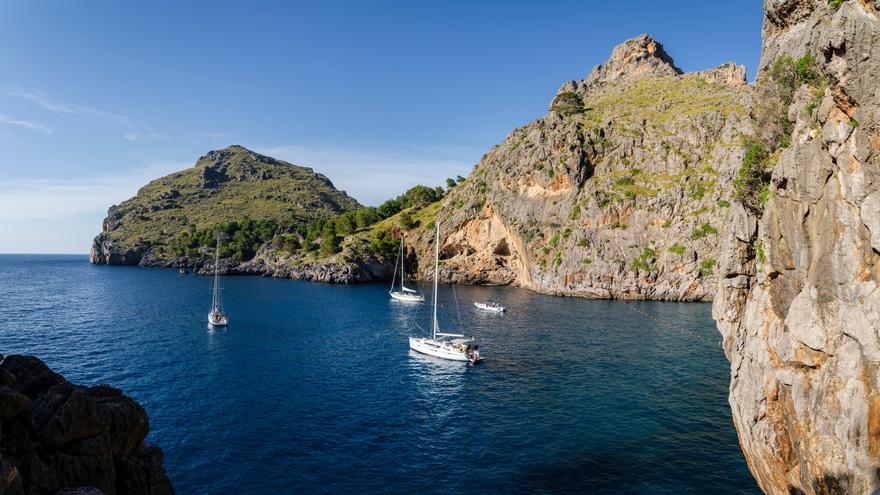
217 321
490 309
436 349
403 296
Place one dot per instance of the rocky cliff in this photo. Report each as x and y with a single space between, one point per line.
622 190
55 435
799 300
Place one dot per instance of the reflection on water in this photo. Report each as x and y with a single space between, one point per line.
312 387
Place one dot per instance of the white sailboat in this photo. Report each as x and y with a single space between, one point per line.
216 316
452 346
404 293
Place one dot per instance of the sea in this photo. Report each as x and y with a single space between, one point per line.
312 387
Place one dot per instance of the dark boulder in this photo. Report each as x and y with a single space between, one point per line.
31 376
57 437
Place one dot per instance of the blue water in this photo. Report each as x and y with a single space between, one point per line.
312 387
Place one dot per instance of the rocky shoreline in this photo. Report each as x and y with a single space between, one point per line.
58 437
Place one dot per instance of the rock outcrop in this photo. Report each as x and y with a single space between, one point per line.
799 300
57 437
622 190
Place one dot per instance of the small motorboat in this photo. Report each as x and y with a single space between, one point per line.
184 271
491 306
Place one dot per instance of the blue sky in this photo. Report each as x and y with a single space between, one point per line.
99 97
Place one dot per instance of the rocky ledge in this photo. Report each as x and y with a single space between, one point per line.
57 437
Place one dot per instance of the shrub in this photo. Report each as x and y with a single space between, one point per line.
722 203
643 261
288 243
759 251
753 175
703 231
575 212
677 249
853 123
706 267
765 195
567 103
384 244
835 4
618 225
811 106
586 261
667 224
406 220
625 181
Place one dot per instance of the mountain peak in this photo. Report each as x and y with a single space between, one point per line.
633 59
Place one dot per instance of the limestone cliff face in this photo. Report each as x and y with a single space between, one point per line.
799 299
621 190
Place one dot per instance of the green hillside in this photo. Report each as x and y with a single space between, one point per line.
249 195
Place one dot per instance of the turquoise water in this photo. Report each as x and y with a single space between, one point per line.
312 387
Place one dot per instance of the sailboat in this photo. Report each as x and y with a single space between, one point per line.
452 346
216 316
404 293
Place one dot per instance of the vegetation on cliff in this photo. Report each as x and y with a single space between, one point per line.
776 89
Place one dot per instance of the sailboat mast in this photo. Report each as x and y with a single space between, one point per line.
402 273
216 302
436 277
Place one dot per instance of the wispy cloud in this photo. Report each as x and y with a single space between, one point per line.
57 199
27 124
374 174
41 99
136 129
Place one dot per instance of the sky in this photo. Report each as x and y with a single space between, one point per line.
98 98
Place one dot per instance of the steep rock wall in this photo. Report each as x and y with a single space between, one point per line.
621 190
799 301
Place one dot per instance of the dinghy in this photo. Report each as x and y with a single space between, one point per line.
490 306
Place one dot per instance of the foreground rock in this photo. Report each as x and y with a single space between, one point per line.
799 302
59 437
